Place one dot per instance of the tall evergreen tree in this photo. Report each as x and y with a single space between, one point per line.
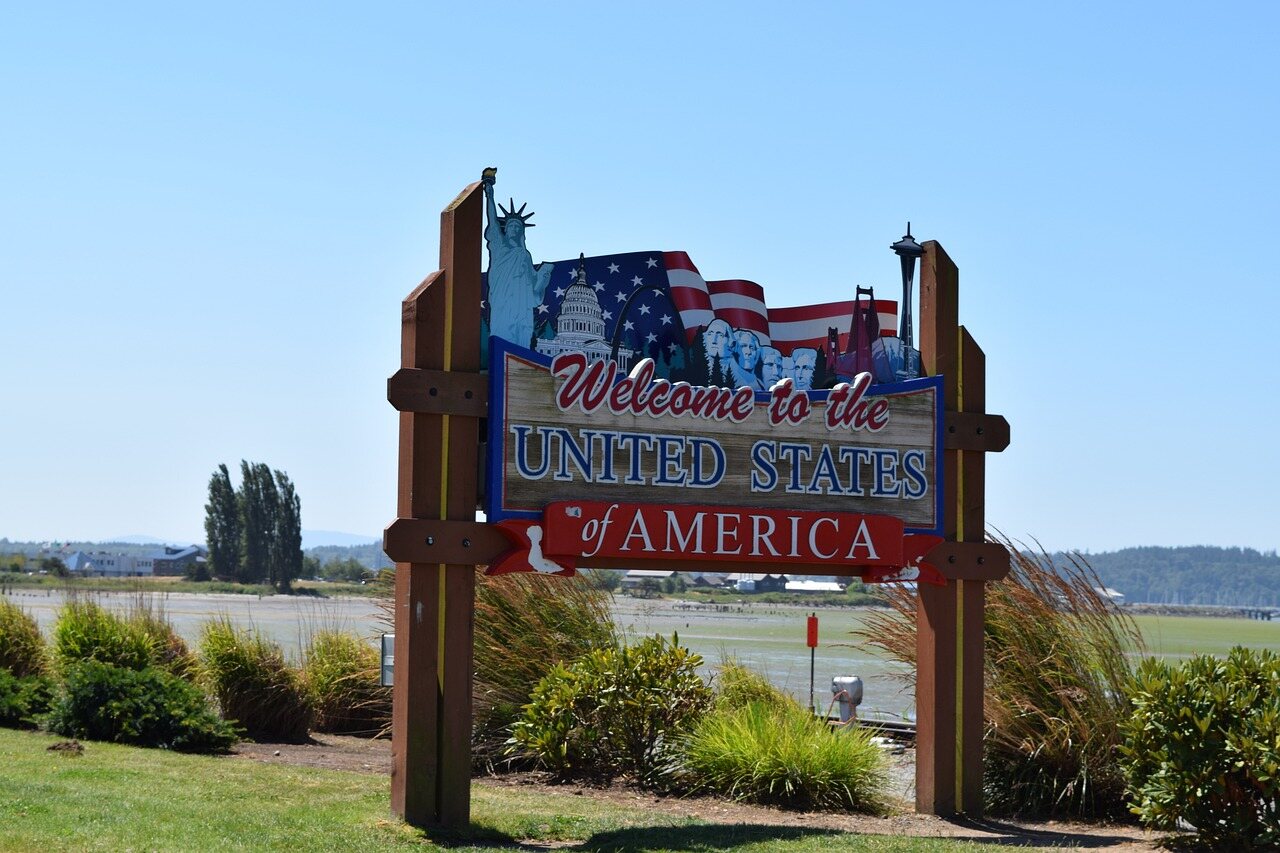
222 527
257 501
286 557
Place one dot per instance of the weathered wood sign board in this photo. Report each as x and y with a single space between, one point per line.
577 430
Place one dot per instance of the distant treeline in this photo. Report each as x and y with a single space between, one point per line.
370 556
1198 574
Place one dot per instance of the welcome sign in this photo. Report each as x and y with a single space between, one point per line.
667 417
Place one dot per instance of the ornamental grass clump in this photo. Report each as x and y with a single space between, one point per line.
22 651
1057 682
87 631
168 650
759 745
253 683
1202 747
341 671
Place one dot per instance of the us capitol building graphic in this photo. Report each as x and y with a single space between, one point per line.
580 326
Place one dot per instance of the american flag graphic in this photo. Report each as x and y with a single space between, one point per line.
654 302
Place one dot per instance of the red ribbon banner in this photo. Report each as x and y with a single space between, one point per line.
573 531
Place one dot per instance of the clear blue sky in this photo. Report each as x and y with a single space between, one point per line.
208 219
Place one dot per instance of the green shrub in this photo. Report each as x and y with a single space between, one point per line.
1203 746
145 707
618 710
342 678
1057 680
23 701
87 631
254 684
21 645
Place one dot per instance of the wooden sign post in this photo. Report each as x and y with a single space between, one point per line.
437 545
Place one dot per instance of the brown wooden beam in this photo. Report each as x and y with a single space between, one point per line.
439 392
936 607
431 699
972 401
975 431
970 560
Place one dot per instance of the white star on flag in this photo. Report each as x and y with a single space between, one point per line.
637 281
666 319
620 296
599 286
657 291
650 338
608 315
542 309
559 291
628 326
673 346
651 263
644 309
613 267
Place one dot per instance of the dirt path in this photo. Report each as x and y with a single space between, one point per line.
374 757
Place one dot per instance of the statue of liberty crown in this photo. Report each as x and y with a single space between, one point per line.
515 214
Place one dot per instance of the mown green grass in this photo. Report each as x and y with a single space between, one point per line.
1182 636
122 798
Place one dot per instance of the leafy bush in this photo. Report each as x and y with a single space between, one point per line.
342 677
1203 746
146 707
86 631
618 710
254 684
24 700
21 645
1056 685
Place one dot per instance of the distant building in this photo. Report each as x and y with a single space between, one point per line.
1112 595
636 577
814 586
752 582
177 561
101 564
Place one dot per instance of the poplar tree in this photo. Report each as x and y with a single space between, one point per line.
258 504
286 556
254 533
222 527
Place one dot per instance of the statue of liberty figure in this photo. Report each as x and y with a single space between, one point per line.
516 286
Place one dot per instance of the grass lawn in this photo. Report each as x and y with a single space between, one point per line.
1182 636
122 798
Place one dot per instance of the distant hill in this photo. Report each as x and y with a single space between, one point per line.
322 538
1198 574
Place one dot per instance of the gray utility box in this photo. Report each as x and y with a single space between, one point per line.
847 690
388 658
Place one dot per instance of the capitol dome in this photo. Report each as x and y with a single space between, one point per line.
580 325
